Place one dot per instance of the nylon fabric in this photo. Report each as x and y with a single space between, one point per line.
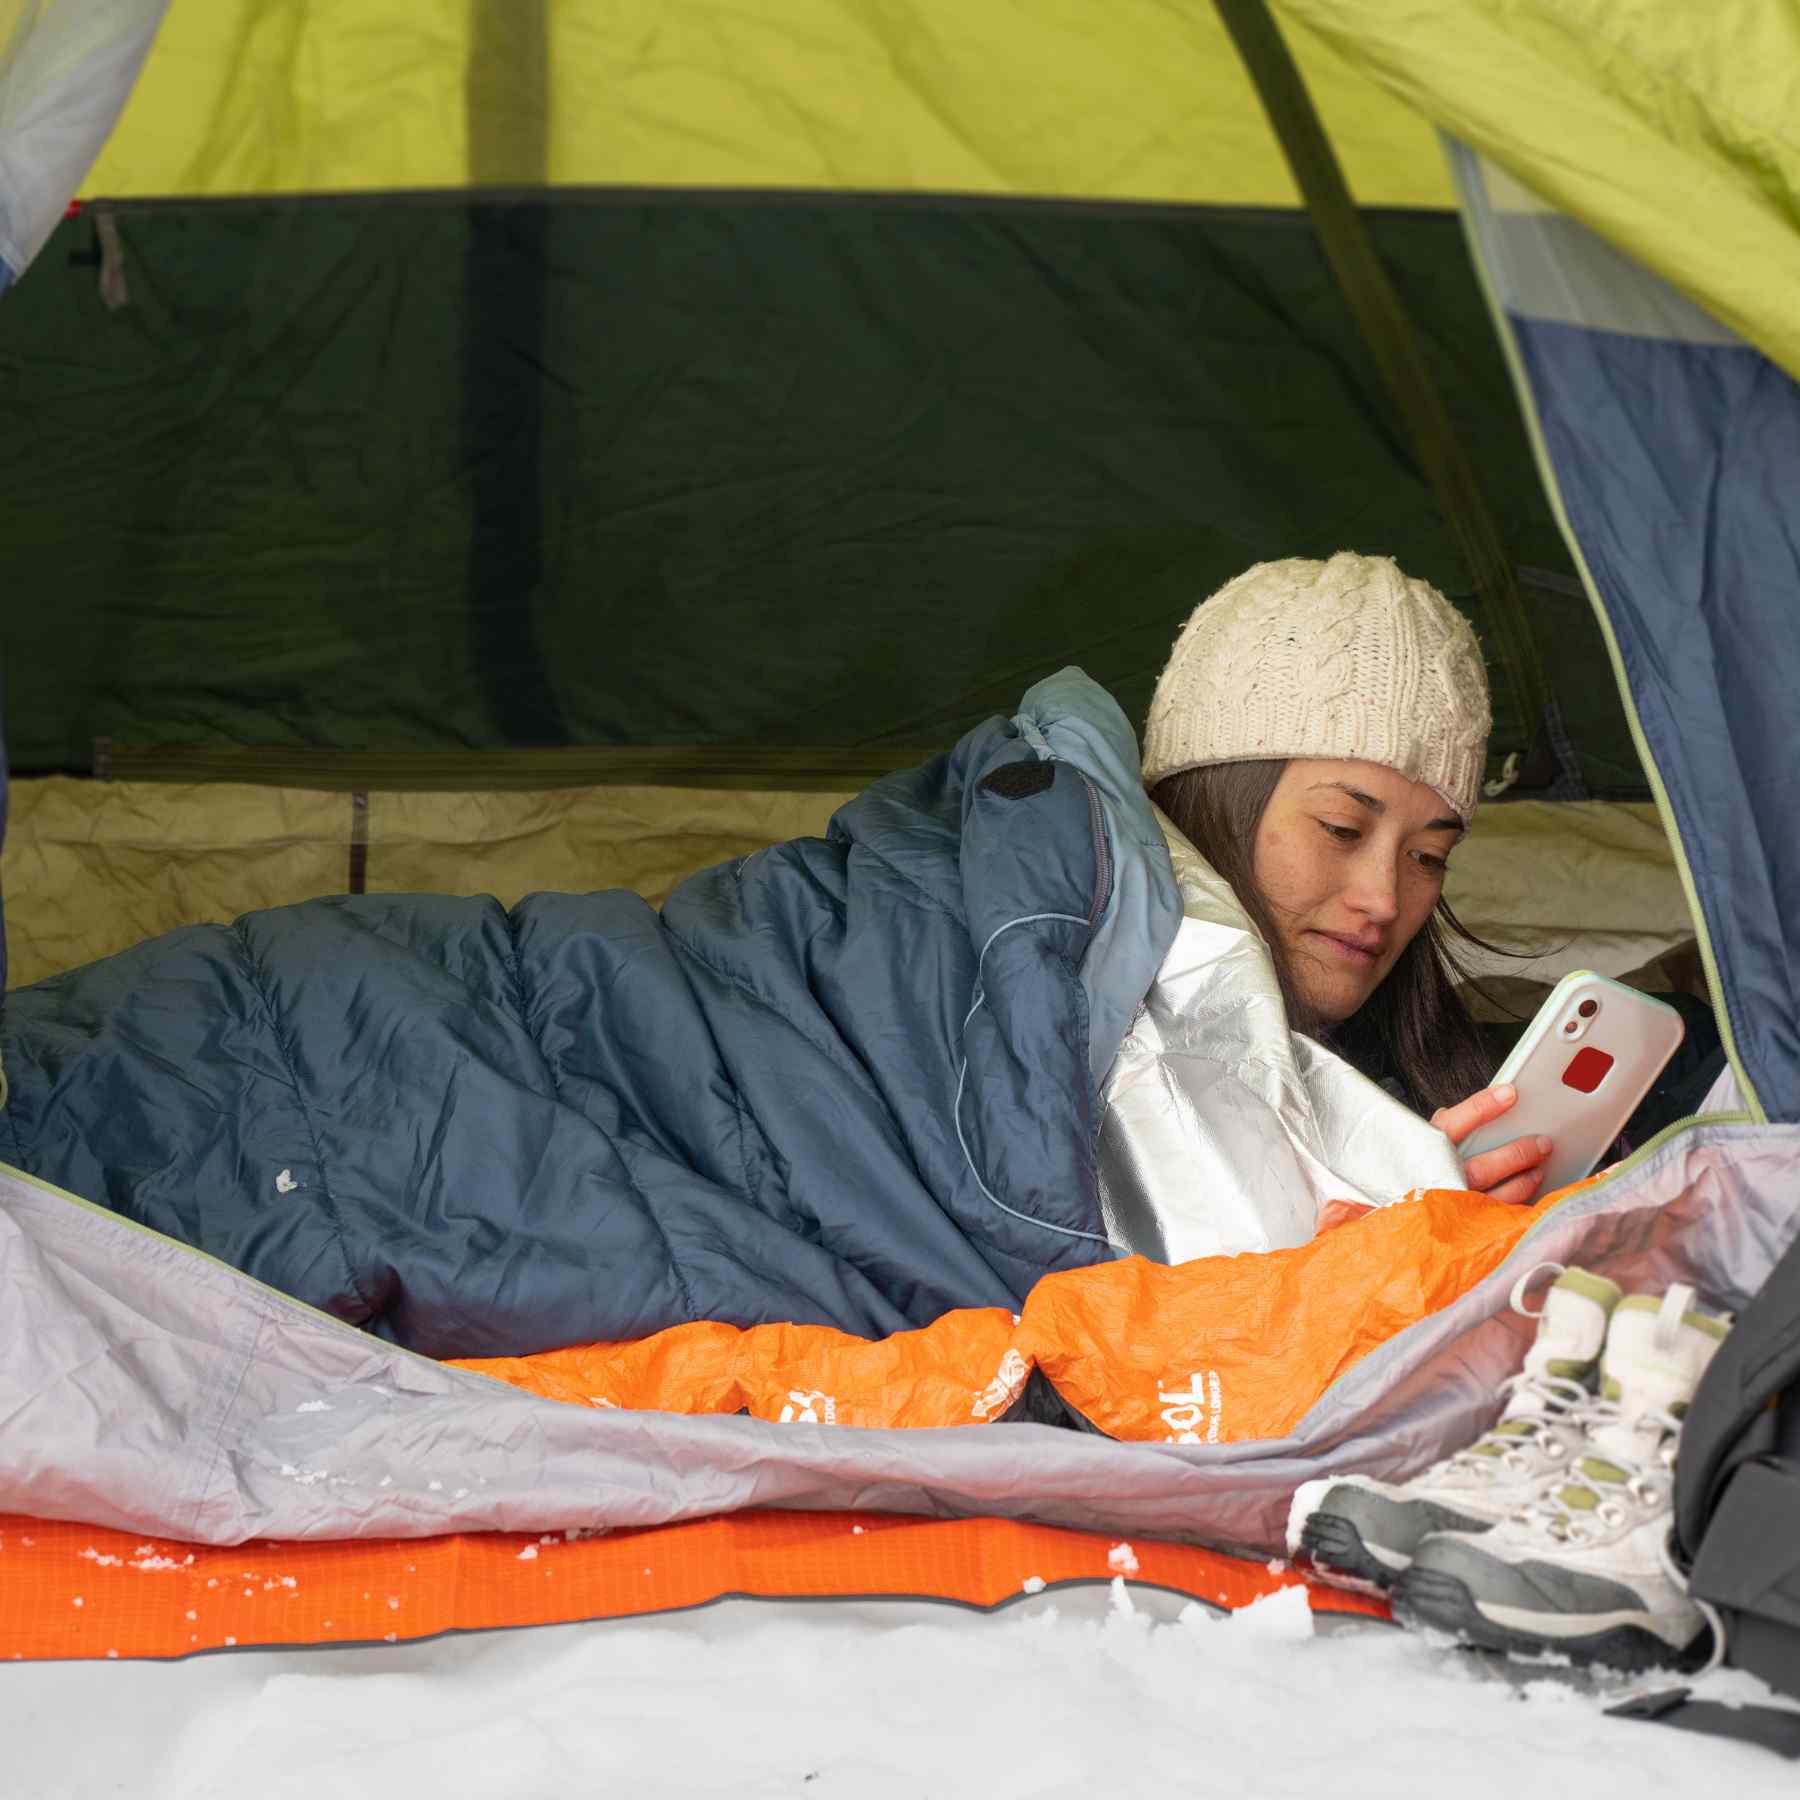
1731 1420
94 867
5 810
1665 127
1138 101
292 1425
91 868
1218 1350
1555 269
1689 534
1392 341
1571 884
476 1131
65 72
1674 459
165 1598
849 476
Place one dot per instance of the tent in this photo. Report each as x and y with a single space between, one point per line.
848 423
520 448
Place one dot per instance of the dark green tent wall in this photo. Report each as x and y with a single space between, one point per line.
839 471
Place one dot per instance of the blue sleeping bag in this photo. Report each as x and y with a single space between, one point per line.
849 1080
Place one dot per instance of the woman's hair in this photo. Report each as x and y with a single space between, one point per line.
1414 1028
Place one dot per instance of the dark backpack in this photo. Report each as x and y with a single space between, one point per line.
1737 1516
1737 1483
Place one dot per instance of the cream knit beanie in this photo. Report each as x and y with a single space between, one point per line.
1347 658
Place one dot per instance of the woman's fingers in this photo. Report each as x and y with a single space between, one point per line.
1457 1122
1520 1191
1495 1170
1514 1172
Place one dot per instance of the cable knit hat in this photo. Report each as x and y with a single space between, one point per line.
1347 658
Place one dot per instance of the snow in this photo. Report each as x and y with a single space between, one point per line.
1283 1617
1119 1690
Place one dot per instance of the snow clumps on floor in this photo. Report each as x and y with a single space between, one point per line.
1076 1692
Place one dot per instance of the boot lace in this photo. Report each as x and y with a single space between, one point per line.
1561 1401
1570 1505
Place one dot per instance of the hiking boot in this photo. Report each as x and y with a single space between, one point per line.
1359 1532
1584 1569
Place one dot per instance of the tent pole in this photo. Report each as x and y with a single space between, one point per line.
1388 332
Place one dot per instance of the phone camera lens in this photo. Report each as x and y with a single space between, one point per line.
1588 1008
1571 1028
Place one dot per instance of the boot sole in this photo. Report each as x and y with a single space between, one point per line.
1337 1553
1432 1598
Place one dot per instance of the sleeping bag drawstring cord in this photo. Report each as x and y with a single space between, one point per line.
962 1078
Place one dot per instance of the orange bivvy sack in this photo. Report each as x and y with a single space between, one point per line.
1214 1350
1218 1350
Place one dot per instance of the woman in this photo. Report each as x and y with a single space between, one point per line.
847 1081
1318 735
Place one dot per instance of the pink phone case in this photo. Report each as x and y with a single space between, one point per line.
1581 1068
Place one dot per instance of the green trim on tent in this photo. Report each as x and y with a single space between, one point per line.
779 768
1665 126
1671 826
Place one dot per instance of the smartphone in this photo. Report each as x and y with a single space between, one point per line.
1581 1068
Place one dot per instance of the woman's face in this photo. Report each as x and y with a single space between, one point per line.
1350 857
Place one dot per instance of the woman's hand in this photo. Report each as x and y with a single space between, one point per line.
1513 1172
